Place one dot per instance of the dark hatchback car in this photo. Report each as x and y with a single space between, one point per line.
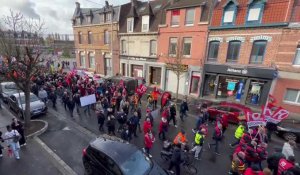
289 131
109 155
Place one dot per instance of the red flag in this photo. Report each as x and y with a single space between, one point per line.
141 89
255 119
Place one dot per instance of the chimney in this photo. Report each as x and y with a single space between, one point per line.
106 4
133 3
77 5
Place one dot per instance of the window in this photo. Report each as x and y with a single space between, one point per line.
123 46
173 46
108 65
175 16
108 17
292 96
229 14
213 50
187 45
130 24
106 37
145 23
82 59
233 51
190 16
101 18
90 37
153 46
78 21
258 52
297 57
92 60
255 12
80 37
89 19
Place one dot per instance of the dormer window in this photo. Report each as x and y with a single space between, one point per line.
108 17
130 24
255 11
145 23
229 14
78 21
89 19
101 18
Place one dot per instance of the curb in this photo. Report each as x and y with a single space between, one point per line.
39 132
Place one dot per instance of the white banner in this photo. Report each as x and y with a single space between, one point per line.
87 100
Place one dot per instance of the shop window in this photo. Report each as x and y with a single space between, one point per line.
173 46
123 69
155 75
255 12
106 37
255 92
92 60
229 14
137 70
190 17
82 59
153 46
231 88
292 96
90 37
209 85
297 57
213 50
233 51
258 52
80 37
187 45
175 16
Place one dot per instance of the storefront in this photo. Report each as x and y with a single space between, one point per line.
245 85
195 83
136 70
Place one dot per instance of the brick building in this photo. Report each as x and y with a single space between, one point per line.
96 38
287 85
242 46
184 35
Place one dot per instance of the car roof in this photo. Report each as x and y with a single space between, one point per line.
21 94
6 83
114 147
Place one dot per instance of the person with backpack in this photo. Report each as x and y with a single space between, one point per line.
217 136
176 160
285 165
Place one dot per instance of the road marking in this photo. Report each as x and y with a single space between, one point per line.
56 160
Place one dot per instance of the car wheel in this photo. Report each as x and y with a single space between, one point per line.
88 169
290 136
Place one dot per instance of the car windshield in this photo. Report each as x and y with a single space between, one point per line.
136 164
10 87
33 98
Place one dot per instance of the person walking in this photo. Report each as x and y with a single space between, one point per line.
176 160
199 139
155 94
273 160
133 124
148 140
163 128
199 122
18 125
288 148
217 136
12 140
76 98
147 125
101 119
53 98
180 138
122 119
238 163
43 95
238 134
111 124
65 99
224 122
173 114
71 105
183 109
1 147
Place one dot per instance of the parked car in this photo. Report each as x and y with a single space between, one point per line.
130 83
109 155
16 102
235 112
289 131
7 89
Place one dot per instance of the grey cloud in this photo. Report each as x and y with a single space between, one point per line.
52 14
26 7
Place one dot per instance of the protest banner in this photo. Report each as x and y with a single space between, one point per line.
255 119
274 115
140 90
87 100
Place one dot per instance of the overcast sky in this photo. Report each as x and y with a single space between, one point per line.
56 13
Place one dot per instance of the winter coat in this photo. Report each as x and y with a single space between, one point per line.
176 156
249 171
273 160
147 126
149 139
101 117
217 133
172 111
184 107
163 126
224 121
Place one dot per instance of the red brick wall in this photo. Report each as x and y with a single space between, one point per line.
280 89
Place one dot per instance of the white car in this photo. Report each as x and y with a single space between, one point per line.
16 102
7 89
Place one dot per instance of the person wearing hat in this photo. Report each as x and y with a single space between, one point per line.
288 148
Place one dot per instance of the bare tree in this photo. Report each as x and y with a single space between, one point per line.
175 64
20 47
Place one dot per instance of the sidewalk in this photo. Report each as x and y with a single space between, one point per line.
34 160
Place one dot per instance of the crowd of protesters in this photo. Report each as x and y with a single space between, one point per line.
121 114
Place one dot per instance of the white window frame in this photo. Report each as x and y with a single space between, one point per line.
108 17
102 18
297 57
176 49
92 66
151 47
130 25
183 42
172 17
145 22
187 10
82 59
297 98
123 46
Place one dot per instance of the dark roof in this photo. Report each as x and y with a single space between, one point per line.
187 3
84 13
115 147
155 9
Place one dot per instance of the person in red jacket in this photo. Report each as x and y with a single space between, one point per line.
149 140
147 125
163 128
285 165
165 113
253 170
224 122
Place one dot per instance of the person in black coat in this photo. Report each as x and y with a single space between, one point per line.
183 108
172 114
101 119
111 123
271 127
71 105
122 119
65 99
176 160
18 125
53 97
76 98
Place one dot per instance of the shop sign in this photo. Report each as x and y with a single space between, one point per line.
137 59
238 71
235 38
261 37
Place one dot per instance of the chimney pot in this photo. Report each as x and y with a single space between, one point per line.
77 5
